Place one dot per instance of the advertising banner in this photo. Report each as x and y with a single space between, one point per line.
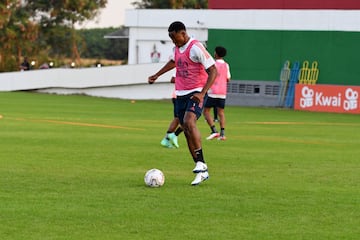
327 98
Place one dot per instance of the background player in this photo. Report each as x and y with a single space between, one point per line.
217 95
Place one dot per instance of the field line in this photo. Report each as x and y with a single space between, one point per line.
303 123
77 123
287 140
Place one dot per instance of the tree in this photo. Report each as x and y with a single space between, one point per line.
16 33
59 15
171 4
31 26
96 46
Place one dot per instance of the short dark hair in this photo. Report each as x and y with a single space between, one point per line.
220 51
176 27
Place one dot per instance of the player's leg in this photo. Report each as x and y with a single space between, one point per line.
222 121
174 130
170 138
210 103
216 119
221 112
193 138
177 129
207 116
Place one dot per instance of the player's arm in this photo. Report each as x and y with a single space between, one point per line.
228 73
212 72
167 67
203 56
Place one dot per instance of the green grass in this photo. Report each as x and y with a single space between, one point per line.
72 167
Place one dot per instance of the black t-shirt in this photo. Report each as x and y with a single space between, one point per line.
25 65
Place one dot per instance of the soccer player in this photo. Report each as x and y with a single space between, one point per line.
217 95
195 73
25 65
171 137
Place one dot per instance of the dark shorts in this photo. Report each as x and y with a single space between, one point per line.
215 103
186 104
175 107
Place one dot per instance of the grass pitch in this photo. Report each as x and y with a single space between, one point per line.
72 167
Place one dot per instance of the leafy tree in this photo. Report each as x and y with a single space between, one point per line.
171 4
29 27
16 34
96 46
59 16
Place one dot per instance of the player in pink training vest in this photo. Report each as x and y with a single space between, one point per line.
195 73
171 137
217 95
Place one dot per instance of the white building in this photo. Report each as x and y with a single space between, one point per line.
148 32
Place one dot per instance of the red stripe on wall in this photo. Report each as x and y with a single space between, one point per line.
284 4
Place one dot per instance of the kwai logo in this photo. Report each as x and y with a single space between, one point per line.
307 97
351 101
310 98
327 98
329 101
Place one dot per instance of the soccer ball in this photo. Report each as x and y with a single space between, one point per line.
154 178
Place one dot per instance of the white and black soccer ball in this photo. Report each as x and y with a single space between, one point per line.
154 178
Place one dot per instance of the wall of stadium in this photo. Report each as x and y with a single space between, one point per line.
125 81
304 32
259 54
259 40
330 41
284 4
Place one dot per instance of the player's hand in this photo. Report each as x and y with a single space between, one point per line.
152 79
197 97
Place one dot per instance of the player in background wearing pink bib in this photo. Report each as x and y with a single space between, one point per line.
195 73
217 95
171 137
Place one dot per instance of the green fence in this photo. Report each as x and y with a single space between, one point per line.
260 54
